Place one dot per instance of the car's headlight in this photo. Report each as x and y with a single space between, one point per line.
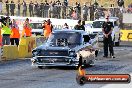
72 53
35 53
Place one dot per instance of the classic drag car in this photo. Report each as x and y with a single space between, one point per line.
66 48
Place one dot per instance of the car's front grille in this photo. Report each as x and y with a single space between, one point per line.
54 53
52 60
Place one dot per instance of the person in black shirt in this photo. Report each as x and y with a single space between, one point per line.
12 8
7 7
31 8
107 29
79 26
18 8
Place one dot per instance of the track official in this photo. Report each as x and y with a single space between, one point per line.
27 30
79 26
107 29
6 31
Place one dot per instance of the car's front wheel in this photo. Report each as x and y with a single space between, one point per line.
40 67
91 63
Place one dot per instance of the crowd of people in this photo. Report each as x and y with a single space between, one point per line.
58 9
53 9
10 33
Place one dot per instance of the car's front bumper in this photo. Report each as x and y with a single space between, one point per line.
51 62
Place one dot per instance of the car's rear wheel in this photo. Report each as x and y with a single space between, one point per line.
117 43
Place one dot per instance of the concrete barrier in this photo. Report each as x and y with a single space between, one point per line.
26 46
22 51
126 35
10 52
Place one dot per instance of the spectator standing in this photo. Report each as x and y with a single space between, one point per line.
48 28
85 12
79 26
18 8
50 9
55 12
63 11
66 3
121 4
24 8
27 30
79 10
0 6
15 35
58 10
74 15
36 8
107 29
12 8
96 14
6 31
46 9
7 7
31 8
41 9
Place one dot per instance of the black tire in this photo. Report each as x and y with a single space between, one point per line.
40 67
117 43
81 80
91 63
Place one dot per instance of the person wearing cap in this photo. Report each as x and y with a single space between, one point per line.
47 28
5 32
15 35
79 26
27 30
107 29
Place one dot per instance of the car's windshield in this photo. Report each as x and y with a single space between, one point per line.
36 25
97 24
65 39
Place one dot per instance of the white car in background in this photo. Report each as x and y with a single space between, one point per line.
96 28
37 28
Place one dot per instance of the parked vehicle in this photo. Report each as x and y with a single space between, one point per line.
96 28
37 28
